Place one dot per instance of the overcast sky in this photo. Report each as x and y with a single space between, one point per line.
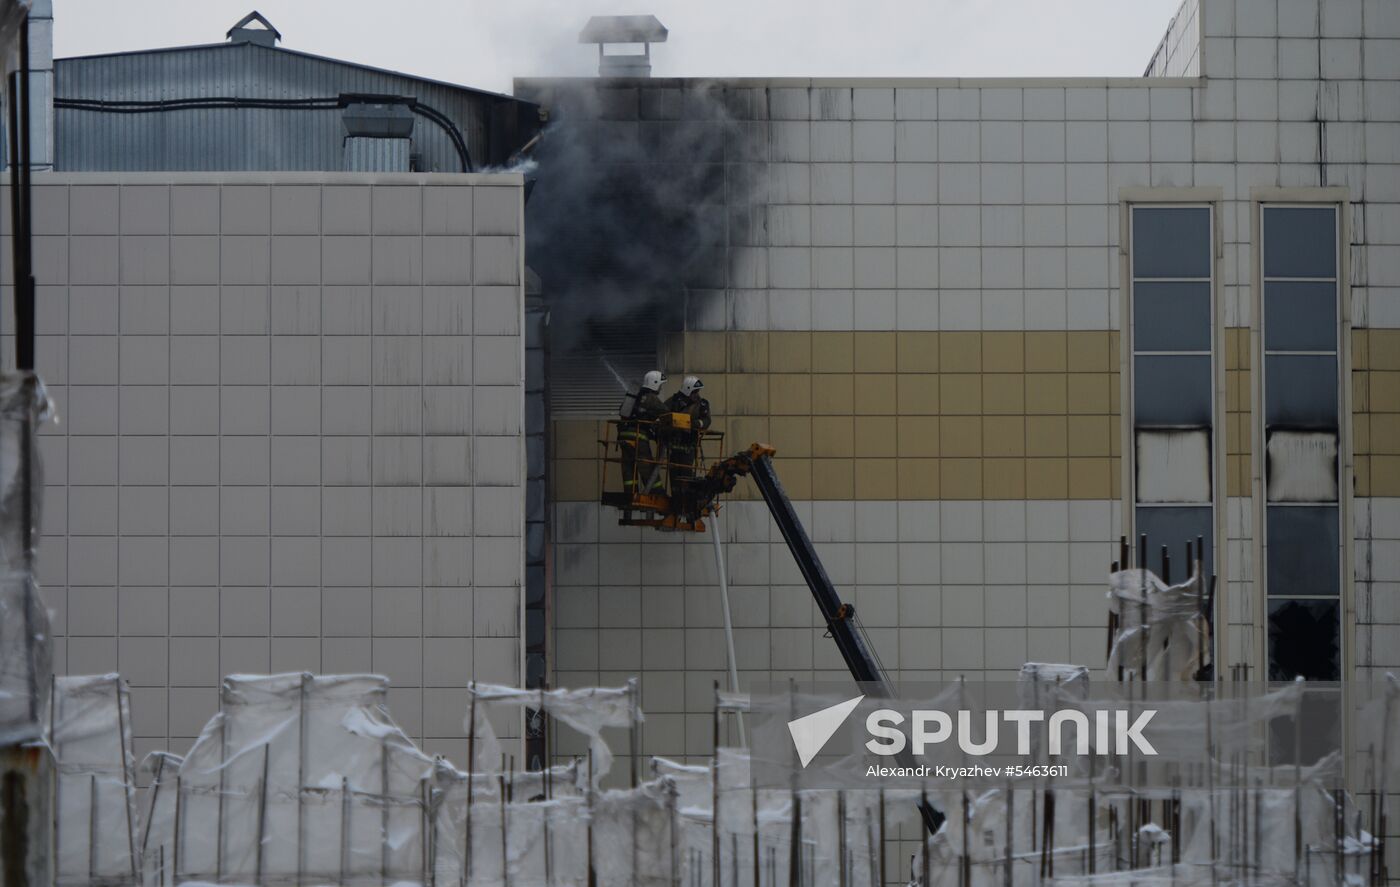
485 44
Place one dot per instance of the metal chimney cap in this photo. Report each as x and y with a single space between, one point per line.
267 35
623 29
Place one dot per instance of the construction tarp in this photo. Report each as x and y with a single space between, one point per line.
25 643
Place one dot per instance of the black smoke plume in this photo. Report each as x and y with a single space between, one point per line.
628 219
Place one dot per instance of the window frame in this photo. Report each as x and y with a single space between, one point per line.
1210 199
1335 200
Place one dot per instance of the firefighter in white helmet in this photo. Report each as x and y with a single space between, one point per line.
683 444
688 399
636 435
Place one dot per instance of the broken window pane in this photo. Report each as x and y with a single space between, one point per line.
1300 241
1171 390
1300 315
1171 316
1171 241
1300 390
1304 641
1174 527
1301 551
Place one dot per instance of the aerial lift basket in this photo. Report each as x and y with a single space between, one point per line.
653 471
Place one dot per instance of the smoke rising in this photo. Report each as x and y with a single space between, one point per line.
628 218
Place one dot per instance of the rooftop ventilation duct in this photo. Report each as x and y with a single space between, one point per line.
377 136
378 120
607 30
265 35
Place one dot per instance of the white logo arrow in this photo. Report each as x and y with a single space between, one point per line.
811 732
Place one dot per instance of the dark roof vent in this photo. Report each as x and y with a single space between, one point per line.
266 35
606 29
378 120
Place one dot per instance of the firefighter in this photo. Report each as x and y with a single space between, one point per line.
683 450
636 435
687 399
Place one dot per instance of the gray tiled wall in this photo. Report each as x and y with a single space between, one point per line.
290 435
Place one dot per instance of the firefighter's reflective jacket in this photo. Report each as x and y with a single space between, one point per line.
698 408
635 440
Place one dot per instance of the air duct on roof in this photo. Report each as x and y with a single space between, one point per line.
378 120
377 136
613 29
266 35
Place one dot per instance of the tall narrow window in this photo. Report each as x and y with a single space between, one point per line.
1171 315
1301 327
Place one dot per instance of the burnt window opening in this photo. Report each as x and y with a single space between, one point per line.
1171 323
1301 329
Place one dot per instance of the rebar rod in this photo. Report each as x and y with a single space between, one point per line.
262 815
301 777
179 816
1007 875
714 792
840 838
589 800
671 820
223 770
384 813
54 705
127 800
880 859
753 803
505 841
471 778
344 828
92 828
155 797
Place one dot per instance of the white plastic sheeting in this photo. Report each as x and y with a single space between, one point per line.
1195 724
94 789
1378 739
1257 836
734 835
304 780
589 711
1161 629
297 780
25 642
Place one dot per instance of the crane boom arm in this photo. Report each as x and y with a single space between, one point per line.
757 462
838 615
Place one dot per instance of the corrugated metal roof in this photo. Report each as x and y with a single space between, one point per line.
250 138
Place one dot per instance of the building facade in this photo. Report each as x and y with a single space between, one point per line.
992 326
289 435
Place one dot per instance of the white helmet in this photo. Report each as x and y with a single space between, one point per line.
653 380
691 385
